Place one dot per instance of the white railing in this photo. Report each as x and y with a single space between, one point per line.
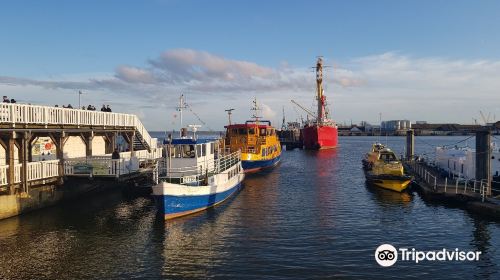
36 171
43 169
99 167
4 170
45 115
17 172
194 174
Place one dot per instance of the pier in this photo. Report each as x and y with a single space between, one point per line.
477 195
84 142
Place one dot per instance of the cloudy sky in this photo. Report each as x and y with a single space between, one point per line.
419 60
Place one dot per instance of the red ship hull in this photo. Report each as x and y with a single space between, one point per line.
320 137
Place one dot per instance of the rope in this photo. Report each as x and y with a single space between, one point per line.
198 117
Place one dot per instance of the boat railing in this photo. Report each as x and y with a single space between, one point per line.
227 161
195 175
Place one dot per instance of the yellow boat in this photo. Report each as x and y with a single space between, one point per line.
258 142
382 169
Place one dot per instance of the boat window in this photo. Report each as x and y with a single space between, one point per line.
212 148
204 149
251 131
262 131
462 168
388 157
242 131
187 151
234 131
198 150
263 152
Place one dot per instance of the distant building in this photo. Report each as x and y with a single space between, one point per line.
395 125
444 129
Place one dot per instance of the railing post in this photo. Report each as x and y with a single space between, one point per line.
465 186
474 186
456 185
435 183
445 183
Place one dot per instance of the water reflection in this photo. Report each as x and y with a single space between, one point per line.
388 197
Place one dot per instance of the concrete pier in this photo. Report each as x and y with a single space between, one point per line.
42 148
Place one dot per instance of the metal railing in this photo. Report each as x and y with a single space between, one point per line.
45 115
194 175
99 167
454 183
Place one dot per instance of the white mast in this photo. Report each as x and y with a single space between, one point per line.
181 106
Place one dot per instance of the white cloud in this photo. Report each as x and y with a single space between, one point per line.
400 86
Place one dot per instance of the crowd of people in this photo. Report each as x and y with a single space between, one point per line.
7 100
104 108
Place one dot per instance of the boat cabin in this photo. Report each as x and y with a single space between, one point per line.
193 156
249 136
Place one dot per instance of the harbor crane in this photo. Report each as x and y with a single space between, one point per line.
306 110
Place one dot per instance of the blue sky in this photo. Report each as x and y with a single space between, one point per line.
397 51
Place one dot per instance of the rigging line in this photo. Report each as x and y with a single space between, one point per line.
461 140
198 117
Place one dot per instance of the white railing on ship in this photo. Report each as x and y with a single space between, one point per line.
227 161
45 115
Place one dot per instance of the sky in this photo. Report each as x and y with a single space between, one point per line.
435 61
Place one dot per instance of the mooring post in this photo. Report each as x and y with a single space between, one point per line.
483 156
410 143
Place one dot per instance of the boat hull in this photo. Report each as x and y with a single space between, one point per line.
320 137
251 166
177 200
394 183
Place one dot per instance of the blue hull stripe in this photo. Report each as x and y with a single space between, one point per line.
259 164
171 205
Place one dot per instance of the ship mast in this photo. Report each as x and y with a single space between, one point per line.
182 105
255 110
319 87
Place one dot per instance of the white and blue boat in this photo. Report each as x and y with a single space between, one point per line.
196 175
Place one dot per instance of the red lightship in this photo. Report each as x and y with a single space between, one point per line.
321 133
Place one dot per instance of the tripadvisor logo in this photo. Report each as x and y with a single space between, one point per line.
387 255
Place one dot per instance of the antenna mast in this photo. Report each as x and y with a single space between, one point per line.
255 108
181 106
319 87
283 126
229 112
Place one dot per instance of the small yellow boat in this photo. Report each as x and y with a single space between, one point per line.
382 169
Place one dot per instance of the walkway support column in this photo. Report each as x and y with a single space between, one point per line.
24 160
88 138
483 158
10 160
410 144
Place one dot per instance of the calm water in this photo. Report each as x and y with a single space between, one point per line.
311 218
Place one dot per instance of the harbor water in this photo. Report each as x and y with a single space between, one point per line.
312 217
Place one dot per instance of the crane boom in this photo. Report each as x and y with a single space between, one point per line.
301 107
